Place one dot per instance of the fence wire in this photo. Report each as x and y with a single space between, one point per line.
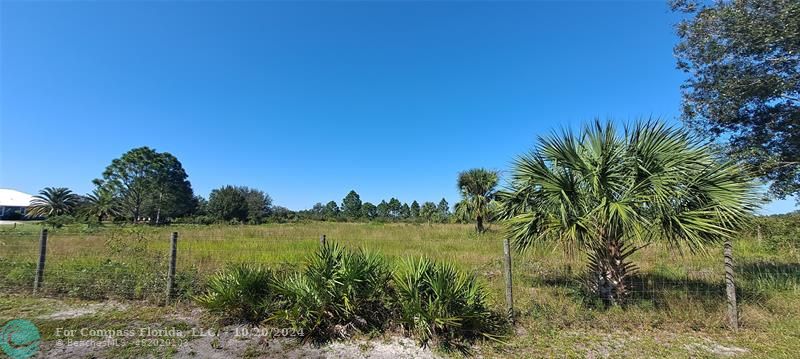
131 264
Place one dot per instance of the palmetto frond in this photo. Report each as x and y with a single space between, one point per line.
340 290
243 292
438 302
649 182
53 202
102 203
610 191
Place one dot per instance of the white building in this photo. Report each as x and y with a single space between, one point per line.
13 203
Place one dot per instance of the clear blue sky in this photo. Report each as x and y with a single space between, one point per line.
310 100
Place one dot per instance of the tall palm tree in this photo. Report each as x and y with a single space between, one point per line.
611 193
477 188
53 202
102 204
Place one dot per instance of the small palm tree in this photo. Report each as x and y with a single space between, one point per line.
53 202
102 204
610 194
477 188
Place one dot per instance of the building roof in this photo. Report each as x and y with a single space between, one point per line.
13 198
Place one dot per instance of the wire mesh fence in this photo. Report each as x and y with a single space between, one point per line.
84 265
134 263
131 264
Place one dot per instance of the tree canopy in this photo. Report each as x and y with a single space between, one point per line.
369 211
228 203
149 184
414 209
351 205
743 61
240 203
353 209
477 187
101 204
53 201
259 204
331 210
429 212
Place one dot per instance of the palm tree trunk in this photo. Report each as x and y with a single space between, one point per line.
479 224
609 271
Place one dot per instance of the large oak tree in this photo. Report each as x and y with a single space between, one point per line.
743 61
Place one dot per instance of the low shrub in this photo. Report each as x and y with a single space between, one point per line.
440 304
339 292
342 291
242 293
203 220
59 221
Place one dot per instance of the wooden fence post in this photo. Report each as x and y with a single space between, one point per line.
758 233
172 261
730 287
507 270
37 282
322 240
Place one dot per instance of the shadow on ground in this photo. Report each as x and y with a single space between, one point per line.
756 281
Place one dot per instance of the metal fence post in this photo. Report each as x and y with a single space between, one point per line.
37 283
322 240
507 270
730 287
172 260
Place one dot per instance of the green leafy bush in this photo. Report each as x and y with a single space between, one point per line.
203 220
340 291
440 304
780 232
59 221
242 292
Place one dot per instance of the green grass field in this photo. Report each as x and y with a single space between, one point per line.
677 308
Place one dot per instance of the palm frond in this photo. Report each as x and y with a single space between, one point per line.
604 189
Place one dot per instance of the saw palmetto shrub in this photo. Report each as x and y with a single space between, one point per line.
340 292
242 293
441 305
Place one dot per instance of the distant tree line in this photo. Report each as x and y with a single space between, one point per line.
146 186
352 208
